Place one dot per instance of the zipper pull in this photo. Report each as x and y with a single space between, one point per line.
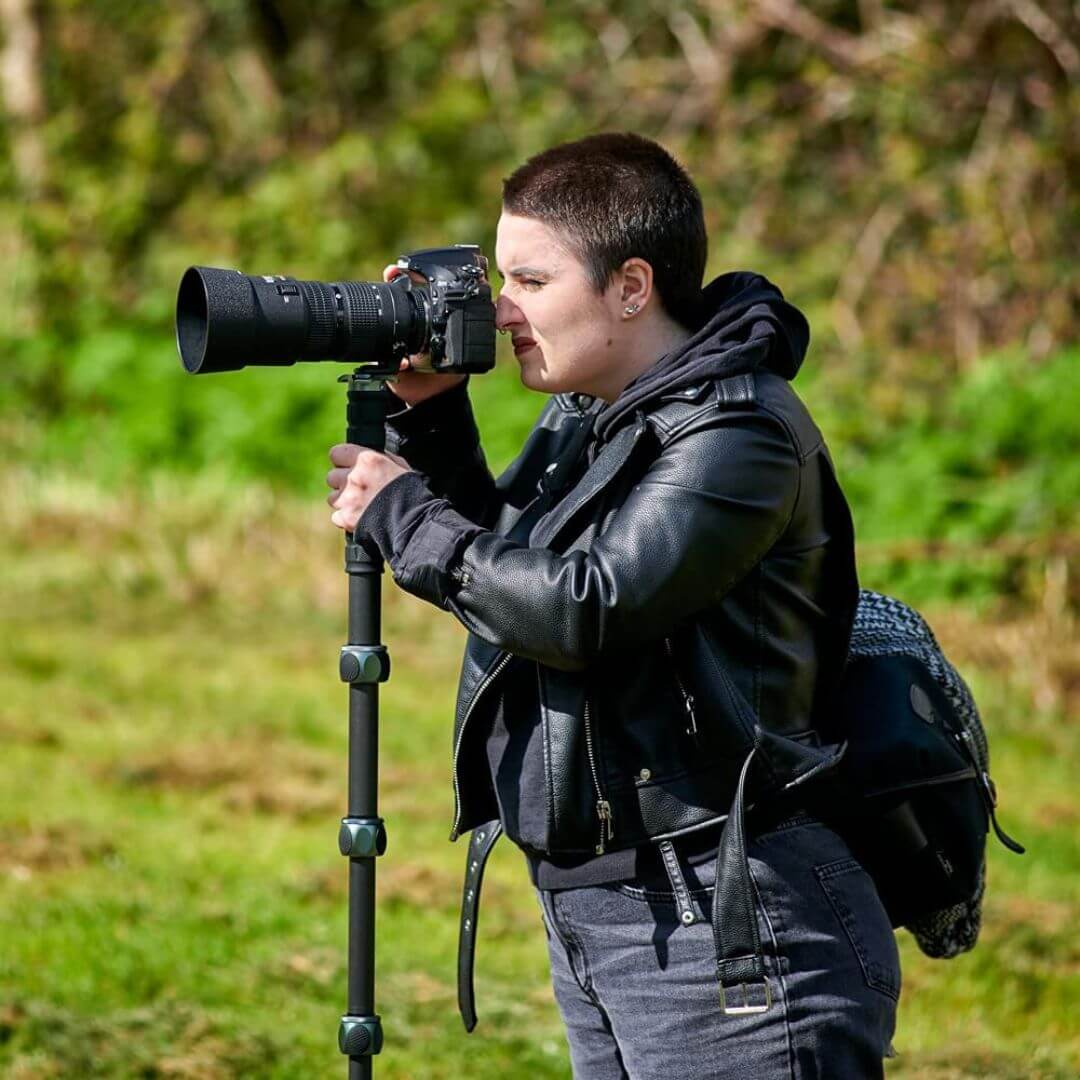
607 830
691 728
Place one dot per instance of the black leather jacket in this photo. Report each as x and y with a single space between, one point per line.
691 581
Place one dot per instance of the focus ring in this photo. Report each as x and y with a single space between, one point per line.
322 336
361 308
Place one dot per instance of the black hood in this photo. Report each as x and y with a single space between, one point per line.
746 324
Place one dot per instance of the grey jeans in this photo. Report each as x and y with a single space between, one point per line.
637 986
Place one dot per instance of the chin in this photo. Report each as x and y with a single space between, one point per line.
538 377
533 380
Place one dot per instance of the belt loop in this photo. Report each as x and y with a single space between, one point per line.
687 915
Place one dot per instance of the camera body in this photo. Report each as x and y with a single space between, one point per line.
462 315
226 320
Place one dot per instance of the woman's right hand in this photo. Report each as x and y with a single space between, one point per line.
416 386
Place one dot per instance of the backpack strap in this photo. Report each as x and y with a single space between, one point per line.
989 796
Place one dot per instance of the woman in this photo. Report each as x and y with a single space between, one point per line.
659 593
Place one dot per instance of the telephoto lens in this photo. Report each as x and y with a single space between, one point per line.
227 320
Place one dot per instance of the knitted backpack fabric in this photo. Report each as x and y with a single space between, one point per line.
885 626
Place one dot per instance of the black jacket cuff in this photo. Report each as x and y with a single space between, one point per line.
420 536
448 413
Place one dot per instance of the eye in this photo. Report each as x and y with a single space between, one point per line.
532 283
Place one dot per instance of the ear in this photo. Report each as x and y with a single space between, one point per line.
635 286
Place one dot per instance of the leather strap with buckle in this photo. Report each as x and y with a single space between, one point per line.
739 958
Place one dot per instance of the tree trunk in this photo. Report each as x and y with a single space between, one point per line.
23 97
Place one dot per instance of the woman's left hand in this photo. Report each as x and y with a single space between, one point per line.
359 475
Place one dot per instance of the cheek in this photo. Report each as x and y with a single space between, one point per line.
569 321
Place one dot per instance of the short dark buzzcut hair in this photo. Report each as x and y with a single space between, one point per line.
618 196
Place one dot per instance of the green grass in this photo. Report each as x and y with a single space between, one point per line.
171 898
173 772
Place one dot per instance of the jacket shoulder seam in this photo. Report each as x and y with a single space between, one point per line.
801 449
803 453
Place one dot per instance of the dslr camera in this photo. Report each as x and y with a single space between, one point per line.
226 320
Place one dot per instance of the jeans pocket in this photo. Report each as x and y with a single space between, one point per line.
851 893
543 914
654 893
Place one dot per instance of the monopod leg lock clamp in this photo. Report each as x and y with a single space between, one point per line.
364 664
362 838
360 1036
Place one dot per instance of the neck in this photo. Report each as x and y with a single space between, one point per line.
651 340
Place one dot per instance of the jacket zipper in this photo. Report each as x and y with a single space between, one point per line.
461 576
506 658
603 807
688 699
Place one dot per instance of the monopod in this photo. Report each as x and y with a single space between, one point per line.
225 321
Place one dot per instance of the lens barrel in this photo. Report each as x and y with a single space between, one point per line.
226 320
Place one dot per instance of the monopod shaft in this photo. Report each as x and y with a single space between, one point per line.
364 664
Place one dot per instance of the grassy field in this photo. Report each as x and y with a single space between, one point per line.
172 899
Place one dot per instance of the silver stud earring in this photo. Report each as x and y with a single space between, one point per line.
630 309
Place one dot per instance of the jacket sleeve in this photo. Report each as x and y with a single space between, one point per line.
706 511
439 438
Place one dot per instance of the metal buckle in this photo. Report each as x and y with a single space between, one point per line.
744 1008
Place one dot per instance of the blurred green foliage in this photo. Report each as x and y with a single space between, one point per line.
996 455
999 454
903 170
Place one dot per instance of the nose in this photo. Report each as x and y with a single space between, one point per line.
507 313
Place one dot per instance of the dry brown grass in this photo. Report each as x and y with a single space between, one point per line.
1036 650
264 776
32 850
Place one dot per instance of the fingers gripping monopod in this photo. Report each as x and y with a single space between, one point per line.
364 664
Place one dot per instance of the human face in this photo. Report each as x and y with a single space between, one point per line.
566 336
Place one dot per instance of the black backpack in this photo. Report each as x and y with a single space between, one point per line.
913 795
